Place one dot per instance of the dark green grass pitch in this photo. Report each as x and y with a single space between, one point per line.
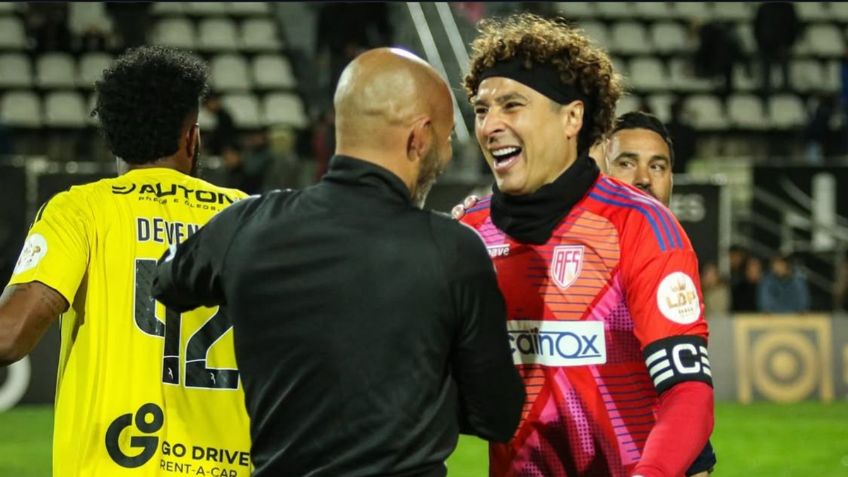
769 440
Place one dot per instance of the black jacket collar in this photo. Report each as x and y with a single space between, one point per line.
532 218
347 170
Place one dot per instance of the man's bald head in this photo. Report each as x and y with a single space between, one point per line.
384 88
394 110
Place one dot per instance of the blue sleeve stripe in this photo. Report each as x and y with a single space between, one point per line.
660 210
644 212
664 216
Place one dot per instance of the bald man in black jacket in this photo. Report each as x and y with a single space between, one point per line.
368 332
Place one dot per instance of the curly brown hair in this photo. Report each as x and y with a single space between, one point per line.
551 41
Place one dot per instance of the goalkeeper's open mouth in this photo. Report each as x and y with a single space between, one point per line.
504 157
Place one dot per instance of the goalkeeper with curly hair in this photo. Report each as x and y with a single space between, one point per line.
605 311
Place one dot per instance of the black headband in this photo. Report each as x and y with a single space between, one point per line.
544 78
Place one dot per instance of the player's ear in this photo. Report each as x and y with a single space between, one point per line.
572 118
419 139
192 139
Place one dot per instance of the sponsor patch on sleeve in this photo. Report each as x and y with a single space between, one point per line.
677 298
35 248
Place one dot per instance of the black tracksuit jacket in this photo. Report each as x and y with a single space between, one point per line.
368 333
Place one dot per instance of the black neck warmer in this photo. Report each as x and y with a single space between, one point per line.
532 218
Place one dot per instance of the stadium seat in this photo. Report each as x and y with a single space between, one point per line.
832 76
693 10
803 45
746 37
745 111
626 104
213 9
84 16
648 74
660 104
596 32
806 75
273 72
812 11
169 8
230 72
615 10
744 82
653 10
207 120
91 67
259 34
175 32
12 34
621 66
682 78
734 11
576 10
92 119
64 109
629 38
825 40
16 71
245 109
670 37
55 70
838 11
786 111
706 112
217 34
21 109
248 8
284 108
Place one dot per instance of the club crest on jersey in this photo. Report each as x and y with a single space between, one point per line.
566 264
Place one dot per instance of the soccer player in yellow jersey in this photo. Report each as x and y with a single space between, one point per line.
142 390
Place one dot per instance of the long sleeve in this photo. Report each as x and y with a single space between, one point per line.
684 423
491 391
190 274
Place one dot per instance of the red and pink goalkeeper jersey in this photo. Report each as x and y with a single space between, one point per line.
617 274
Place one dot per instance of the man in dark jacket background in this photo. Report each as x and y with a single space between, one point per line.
776 29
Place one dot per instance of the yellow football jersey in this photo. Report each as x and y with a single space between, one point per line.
141 390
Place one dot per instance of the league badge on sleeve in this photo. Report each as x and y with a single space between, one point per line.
677 298
566 264
35 248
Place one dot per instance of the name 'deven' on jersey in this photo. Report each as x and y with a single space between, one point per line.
160 230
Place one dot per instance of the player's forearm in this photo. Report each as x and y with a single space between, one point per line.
684 423
26 311
11 348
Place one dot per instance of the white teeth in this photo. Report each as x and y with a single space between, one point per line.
504 152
